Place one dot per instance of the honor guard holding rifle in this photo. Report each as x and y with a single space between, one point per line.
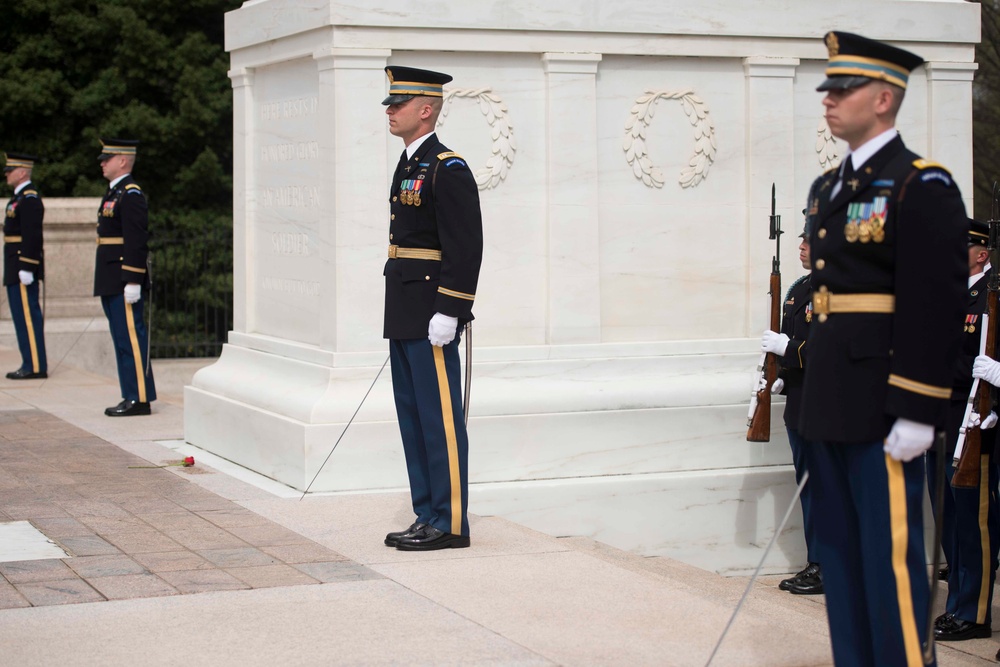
120 275
888 249
435 251
791 345
969 530
24 265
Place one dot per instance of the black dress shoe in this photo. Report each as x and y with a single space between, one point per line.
392 538
430 538
808 584
22 374
944 620
809 570
944 573
128 409
957 630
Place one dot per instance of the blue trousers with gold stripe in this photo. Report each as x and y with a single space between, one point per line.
426 384
969 539
870 542
128 332
26 314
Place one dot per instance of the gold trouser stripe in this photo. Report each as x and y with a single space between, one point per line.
919 387
900 542
801 363
457 295
984 537
12 239
395 252
32 343
448 417
110 240
136 354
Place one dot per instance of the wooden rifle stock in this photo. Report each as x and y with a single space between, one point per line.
968 469
759 423
759 428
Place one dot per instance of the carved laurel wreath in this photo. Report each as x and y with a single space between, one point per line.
826 147
635 138
504 145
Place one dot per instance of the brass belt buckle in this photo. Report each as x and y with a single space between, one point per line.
821 301
392 251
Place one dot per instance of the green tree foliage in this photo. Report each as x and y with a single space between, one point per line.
986 110
72 71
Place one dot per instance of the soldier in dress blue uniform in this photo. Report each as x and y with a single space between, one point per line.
969 532
24 265
790 346
435 251
889 277
120 275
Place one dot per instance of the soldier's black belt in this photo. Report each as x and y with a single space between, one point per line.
395 252
825 303
110 240
12 239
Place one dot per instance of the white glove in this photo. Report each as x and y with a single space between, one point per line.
987 369
991 420
778 385
133 292
775 343
908 439
441 330
27 277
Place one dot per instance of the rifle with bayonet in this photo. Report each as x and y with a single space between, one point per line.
759 417
968 449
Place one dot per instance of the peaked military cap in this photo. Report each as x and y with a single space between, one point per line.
111 147
979 233
408 82
15 160
856 60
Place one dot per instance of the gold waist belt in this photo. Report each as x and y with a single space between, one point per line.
395 252
110 240
825 303
12 239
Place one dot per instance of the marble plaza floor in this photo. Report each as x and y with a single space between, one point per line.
110 561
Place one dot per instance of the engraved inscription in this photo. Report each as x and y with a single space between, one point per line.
291 286
303 150
290 196
285 243
295 108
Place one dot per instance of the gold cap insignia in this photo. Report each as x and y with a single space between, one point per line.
832 45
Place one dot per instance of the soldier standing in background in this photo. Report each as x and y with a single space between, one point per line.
120 275
790 346
24 266
969 528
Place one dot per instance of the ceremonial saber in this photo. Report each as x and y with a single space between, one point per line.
349 422
939 441
746 592
468 371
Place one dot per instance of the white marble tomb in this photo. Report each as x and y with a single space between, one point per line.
625 153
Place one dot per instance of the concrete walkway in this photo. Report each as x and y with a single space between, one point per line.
212 565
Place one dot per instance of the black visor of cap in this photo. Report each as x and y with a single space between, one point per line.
843 83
